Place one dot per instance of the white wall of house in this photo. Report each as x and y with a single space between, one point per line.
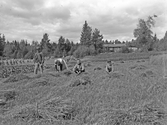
133 48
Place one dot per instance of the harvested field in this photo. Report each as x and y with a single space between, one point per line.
134 94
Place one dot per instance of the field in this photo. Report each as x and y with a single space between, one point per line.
134 94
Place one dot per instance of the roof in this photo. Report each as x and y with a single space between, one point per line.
114 45
132 45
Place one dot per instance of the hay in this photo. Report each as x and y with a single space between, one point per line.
151 73
61 109
41 82
87 64
138 67
10 95
76 83
122 62
117 75
16 78
90 99
97 68
82 81
27 114
2 102
67 73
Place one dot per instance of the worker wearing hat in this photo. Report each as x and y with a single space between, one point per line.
79 67
38 61
109 66
59 64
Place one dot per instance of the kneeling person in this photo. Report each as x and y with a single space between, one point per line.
79 67
109 66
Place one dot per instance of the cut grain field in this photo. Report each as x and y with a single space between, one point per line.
134 94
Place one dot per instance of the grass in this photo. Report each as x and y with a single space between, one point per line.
135 93
124 56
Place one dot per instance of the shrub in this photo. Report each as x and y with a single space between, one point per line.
29 55
125 50
84 51
81 52
92 50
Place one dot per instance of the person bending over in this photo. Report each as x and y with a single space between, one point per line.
59 64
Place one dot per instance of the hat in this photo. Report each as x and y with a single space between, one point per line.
38 48
108 61
79 61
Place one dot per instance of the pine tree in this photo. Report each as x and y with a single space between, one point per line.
67 46
61 43
97 40
86 35
2 44
45 45
44 41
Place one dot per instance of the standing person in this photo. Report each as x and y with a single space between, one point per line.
79 67
109 66
39 61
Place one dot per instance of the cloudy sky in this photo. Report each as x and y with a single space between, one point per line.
116 19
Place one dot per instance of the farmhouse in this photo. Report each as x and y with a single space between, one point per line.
113 47
132 47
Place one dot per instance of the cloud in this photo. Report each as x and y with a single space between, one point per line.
28 11
115 19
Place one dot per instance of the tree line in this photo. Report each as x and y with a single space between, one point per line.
91 43
146 40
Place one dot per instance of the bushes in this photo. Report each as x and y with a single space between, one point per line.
81 51
84 51
29 55
125 49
